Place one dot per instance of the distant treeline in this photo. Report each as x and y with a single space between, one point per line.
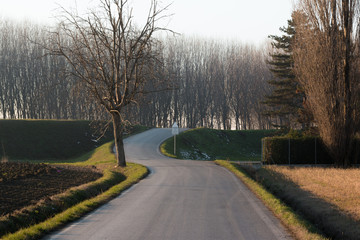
214 83
33 85
218 85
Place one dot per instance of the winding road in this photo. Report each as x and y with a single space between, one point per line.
180 199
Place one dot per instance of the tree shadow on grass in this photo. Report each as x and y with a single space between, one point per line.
327 217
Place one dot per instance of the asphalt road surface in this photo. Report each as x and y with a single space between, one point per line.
181 199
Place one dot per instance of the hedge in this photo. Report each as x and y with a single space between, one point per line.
303 150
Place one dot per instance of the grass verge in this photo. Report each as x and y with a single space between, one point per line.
211 144
299 227
35 232
54 140
328 197
76 202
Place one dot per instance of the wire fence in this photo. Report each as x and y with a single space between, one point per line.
292 153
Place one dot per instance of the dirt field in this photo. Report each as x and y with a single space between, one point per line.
23 184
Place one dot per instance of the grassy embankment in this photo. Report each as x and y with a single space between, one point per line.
49 139
53 212
211 144
46 139
314 203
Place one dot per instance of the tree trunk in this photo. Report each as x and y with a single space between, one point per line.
118 136
347 93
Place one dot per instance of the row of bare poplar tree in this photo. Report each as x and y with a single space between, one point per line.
216 85
33 85
327 63
213 83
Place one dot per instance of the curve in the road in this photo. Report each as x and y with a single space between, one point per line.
181 199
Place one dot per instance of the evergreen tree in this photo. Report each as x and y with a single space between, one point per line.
286 99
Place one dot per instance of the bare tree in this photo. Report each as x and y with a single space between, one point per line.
110 56
216 82
326 62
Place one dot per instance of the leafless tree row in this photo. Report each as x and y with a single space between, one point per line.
32 84
217 85
213 84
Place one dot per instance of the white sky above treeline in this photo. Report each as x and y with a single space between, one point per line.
249 21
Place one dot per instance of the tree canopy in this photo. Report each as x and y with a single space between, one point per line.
285 100
110 57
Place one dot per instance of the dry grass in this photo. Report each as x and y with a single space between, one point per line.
327 197
340 187
299 227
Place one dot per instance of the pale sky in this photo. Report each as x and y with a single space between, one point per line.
249 21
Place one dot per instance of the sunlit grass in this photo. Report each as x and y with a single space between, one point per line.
327 197
101 158
299 227
133 173
340 187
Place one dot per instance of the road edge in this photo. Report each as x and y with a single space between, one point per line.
299 227
81 209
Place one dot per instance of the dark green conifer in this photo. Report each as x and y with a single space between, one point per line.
286 100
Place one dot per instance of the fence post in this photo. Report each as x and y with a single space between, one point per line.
262 150
315 152
289 153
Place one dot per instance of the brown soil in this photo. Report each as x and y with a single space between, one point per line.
24 184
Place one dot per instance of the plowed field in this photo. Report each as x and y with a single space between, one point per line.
23 184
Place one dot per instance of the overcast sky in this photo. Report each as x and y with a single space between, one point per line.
249 21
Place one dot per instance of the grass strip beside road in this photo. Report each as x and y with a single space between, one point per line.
50 206
103 159
299 227
327 197
136 173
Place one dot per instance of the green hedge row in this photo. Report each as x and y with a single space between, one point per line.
285 150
